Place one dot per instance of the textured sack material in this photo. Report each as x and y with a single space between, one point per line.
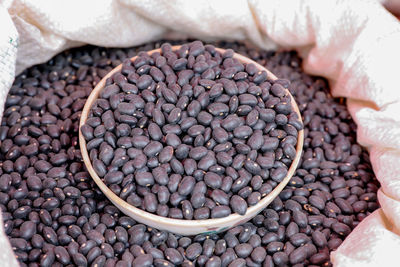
354 44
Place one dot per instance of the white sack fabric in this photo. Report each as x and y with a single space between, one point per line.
354 44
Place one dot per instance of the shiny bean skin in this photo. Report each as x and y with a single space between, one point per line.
61 254
238 205
173 256
143 260
220 211
213 180
193 251
186 186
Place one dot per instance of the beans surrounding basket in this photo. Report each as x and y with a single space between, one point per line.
55 215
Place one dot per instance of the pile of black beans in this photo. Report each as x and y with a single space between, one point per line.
55 215
192 133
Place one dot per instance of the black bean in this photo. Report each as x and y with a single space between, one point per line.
184 76
201 213
341 228
319 258
143 260
160 175
197 200
99 261
280 258
274 246
47 259
243 250
220 197
213 180
299 239
220 211
114 177
153 149
238 204
228 257
174 116
196 130
27 230
341 193
174 141
109 91
87 132
242 132
218 109
278 174
359 206
173 256
247 99
150 202
220 135
186 185
317 202
258 254
62 255
144 178
187 123
162 263
156 253
158 117
298 255
18 244
193 251
213 261
220 247
253 167
42 166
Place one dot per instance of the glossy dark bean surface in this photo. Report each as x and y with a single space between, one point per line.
54 213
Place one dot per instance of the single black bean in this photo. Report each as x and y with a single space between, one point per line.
144 178
27 230
213 180
186 186
243 250
220 211
61 254
242 132
48 258
201 213
228 257
153 149
114 177
150 202
197 200
173 256
213 261
187 210
238 204
193 251
298 255
258 254
220 197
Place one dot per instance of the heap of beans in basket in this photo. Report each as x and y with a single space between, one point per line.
192 133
